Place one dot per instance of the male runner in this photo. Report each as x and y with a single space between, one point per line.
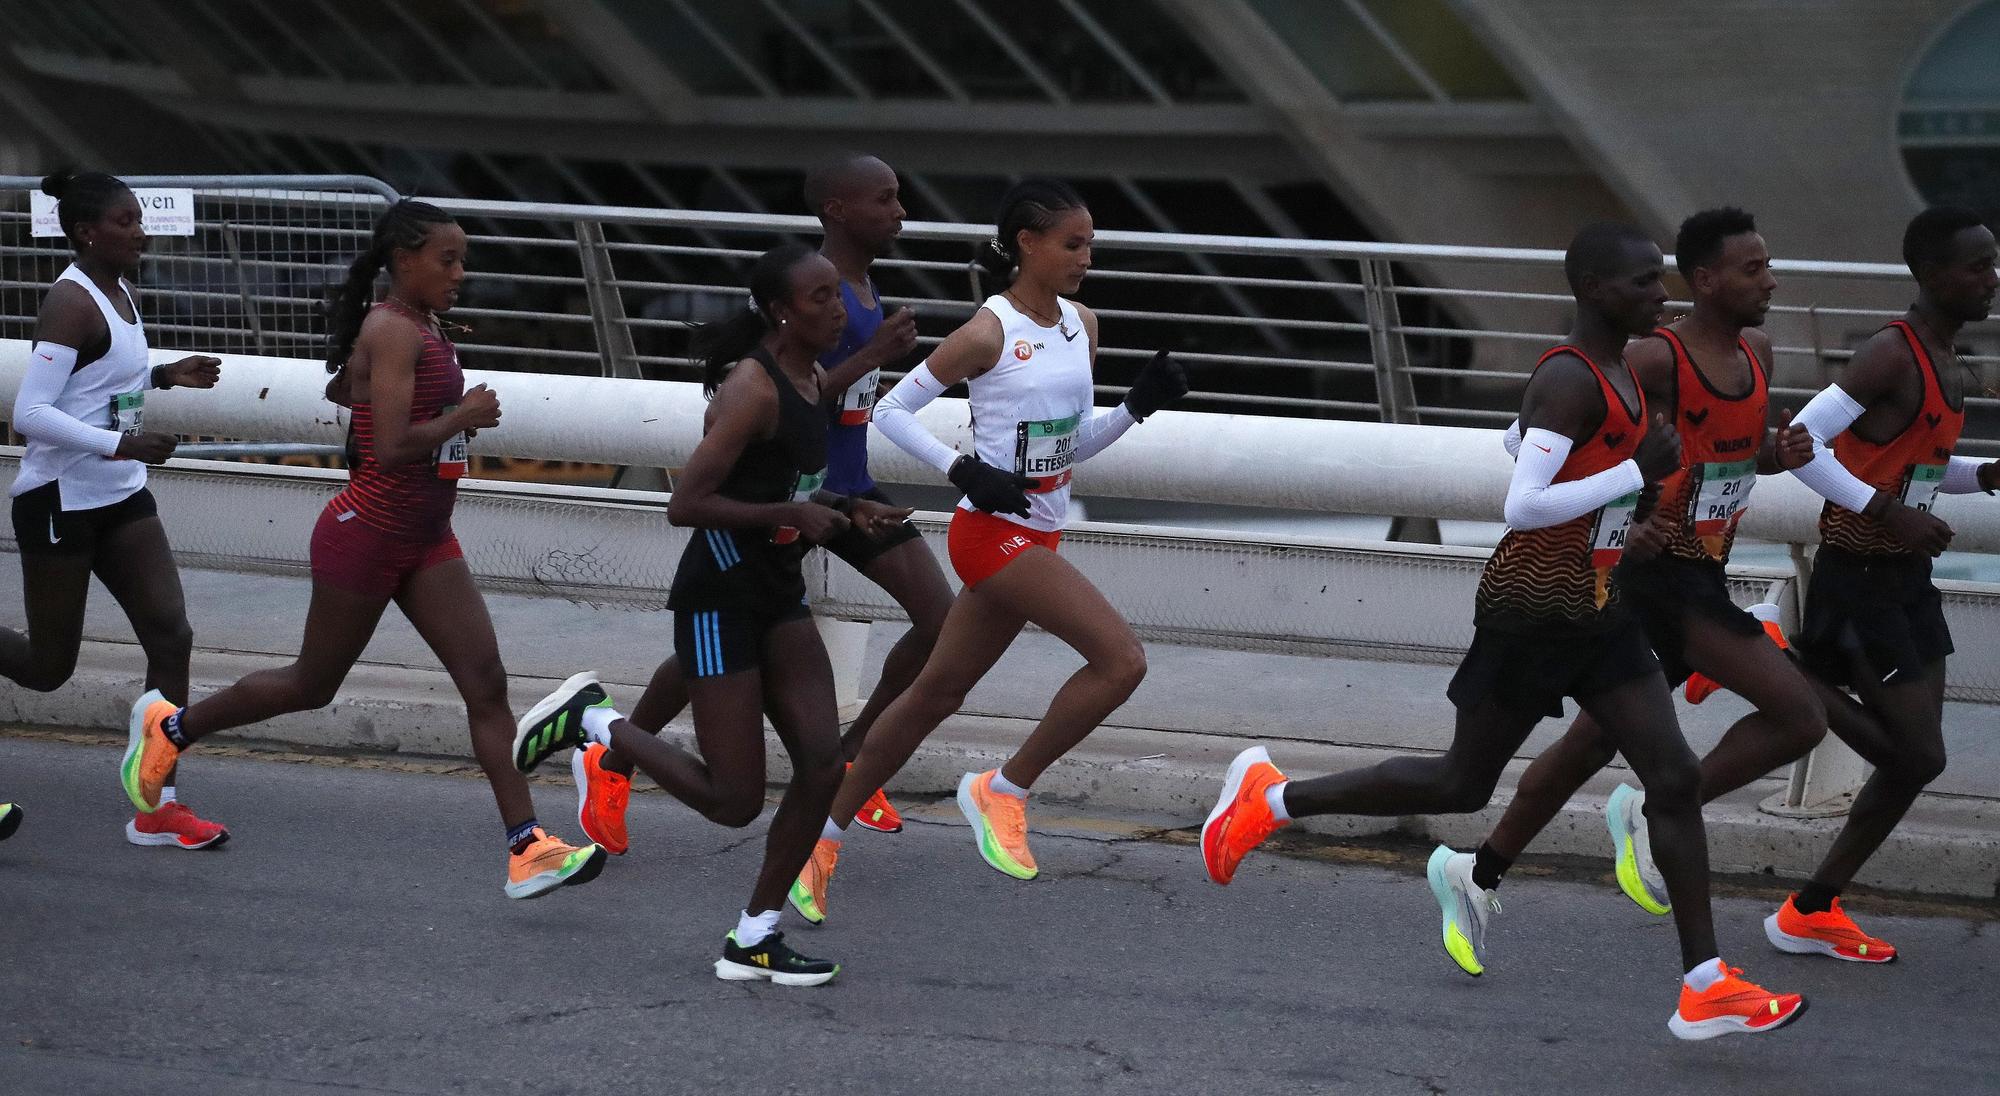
1550 623
1874 623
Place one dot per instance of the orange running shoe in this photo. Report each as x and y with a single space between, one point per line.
601 798
1733 1006
877 814
149 755
174 824
808 894
1829 933
1000 822
1700 686
1242 819
547 863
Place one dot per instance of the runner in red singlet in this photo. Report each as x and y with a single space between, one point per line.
387 537
1874 622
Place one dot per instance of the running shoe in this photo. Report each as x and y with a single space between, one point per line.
1831 932
149 755
808 894
547 863
557 721
1700 686
877 814
1632 847
1242 819
1466 907
174 824
1000 822
1733 1006
601 798
772 959
10 819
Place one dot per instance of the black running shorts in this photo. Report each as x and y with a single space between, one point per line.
1878 615
1527 672
859 549
42 526
1664 591
714 642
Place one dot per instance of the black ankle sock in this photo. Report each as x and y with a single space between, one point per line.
519 836
1814 898
171 727
1488 866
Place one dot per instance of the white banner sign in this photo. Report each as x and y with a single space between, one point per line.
165 211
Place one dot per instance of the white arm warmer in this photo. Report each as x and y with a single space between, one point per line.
1827 416
1536 501
1101 429
1961 476
896 417
1512 438
36 415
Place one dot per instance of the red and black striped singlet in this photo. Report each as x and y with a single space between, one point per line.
410 501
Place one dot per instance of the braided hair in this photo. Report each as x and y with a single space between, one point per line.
404 227
1031 205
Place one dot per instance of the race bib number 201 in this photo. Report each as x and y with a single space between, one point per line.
1045 450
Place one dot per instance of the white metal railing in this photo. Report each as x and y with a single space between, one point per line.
1278 326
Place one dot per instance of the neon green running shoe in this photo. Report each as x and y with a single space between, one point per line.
808 893
1000 822
10 819
1466 907
1632 845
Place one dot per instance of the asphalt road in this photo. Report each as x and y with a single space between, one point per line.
353 937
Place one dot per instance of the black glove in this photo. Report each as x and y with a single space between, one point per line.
1158 385
989 488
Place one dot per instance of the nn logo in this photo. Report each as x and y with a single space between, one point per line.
1698 417
1023 349
1613 441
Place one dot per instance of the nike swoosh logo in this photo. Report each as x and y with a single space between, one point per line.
1543 448
45 357
53 538
1067 337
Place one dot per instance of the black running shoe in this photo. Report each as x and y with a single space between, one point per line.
771 959
557 722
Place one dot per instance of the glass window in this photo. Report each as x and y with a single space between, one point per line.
1159 44
1339 49
1950 122
1449 52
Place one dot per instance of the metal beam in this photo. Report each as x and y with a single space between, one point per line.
607 40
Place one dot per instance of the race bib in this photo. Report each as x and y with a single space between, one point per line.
1920 489
803 489
1614 522
1044 450
128 413
857 404
1721 497
452 456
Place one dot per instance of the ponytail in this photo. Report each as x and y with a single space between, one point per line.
403 227
1031 205
721 344
82 197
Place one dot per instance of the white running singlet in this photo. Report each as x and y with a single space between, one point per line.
89 480
1026 410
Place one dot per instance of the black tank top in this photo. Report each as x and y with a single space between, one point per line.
758 569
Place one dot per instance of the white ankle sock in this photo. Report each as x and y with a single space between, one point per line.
1704 975
1274 798
167 794
753 928
597 724
830 832
1007 787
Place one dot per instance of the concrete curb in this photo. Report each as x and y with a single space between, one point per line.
1947 844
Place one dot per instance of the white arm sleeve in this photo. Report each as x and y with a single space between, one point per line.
1101 429
1536 501
36 415
1827 416
896 417
1961 476
1512 438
